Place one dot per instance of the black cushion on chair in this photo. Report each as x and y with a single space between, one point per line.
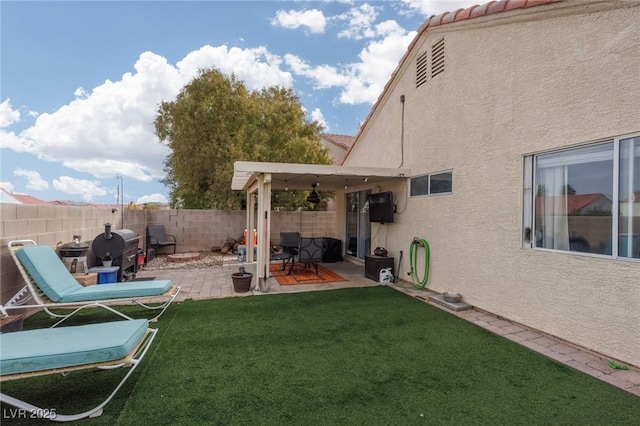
158 237
332 250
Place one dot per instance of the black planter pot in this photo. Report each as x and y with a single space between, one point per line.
241 282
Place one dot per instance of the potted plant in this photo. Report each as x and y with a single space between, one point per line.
241 280
107 260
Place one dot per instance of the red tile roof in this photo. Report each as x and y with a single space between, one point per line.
28 199
579 201
574 203
447 18
343 141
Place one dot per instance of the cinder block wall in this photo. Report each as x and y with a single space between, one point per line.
46 224
195 230
198 230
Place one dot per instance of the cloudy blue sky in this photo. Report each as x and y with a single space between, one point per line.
81 80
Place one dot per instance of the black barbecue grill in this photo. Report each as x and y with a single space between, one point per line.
122 246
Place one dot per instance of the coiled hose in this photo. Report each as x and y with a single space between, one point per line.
413 261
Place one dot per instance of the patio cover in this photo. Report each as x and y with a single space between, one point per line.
262 178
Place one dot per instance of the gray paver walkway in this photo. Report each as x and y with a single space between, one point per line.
212 283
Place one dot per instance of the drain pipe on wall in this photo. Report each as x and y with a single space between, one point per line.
402 133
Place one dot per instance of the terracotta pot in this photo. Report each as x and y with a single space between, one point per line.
241 282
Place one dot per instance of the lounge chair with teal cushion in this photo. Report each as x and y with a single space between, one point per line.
63 349
50 284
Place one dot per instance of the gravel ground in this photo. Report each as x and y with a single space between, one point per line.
207 260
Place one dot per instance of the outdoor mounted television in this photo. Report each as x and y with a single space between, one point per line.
381 207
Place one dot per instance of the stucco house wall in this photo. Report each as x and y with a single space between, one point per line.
515 83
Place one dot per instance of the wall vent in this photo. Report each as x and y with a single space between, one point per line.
421 69
437 58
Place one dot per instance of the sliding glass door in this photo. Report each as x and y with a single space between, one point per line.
358 228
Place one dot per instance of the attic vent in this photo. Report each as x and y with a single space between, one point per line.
421 69
437 58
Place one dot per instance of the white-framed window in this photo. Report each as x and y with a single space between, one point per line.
584 199
433 183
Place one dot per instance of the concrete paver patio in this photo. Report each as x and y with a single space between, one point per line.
212 283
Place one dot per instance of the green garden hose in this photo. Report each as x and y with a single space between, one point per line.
413 261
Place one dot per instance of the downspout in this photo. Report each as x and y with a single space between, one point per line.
402 133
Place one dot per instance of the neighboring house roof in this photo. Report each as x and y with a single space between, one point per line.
474 11
342 141
575 203
338 145
579 202
28 199
634 199
83 204
10 198
7 198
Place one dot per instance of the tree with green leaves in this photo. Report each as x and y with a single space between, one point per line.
215 121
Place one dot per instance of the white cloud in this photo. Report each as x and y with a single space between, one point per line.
360 22
377 61
80 93
7 186
34 180
317 115
324 76
9 140
153 198
8 115
109 130
361 82
256 67
72 186
436 7
313 19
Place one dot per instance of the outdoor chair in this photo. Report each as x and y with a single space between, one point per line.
310 252
61 350
289 242
50 284
157 237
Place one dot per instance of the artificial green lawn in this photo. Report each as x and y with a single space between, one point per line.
351 356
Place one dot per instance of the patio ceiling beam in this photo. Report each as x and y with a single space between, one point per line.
302 176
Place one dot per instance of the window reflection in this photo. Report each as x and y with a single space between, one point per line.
573 201
629 196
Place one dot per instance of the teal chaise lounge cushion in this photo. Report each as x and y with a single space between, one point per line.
57 348
50 274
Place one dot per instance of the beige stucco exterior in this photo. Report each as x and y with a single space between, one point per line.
515 83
